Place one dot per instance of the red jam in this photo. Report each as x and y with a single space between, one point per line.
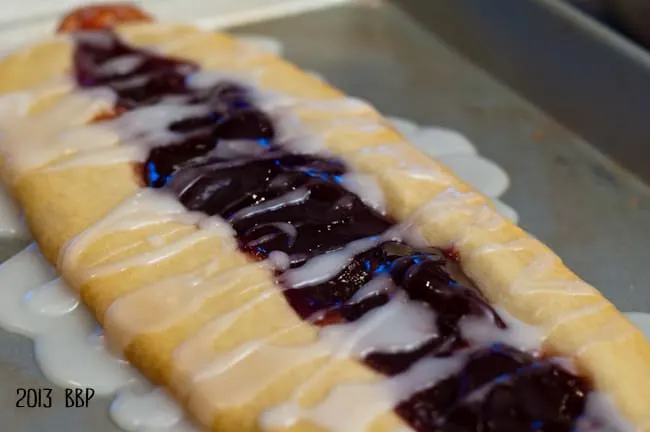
102 17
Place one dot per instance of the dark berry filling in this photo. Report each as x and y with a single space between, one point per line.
227 163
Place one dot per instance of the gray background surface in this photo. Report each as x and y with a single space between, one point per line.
593 213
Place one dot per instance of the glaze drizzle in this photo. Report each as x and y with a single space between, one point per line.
335 257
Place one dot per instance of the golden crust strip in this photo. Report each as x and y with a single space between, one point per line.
511 268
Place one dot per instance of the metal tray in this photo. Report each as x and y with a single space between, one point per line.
590 78
594 213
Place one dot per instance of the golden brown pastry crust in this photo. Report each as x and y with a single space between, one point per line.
511 268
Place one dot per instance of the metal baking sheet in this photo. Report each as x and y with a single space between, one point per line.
590 78
595 214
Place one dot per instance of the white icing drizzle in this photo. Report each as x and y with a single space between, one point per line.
287 228
34 140
399 325
236 376
367 189
205 231
610 331
232 149
323 267
591 309
282 105
296 197
195 351
70 349
340 410
203 79
406 168
534 278
147 207
100 157
480 332
378 285
279 260
263 43
122 65
147 126
168 301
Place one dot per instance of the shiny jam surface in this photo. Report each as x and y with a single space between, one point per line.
102 16
227 162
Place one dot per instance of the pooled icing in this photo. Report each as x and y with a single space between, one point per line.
70 348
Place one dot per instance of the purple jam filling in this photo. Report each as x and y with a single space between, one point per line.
499 388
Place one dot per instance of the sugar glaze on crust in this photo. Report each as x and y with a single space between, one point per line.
159 240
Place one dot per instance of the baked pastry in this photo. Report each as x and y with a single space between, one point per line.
279 258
